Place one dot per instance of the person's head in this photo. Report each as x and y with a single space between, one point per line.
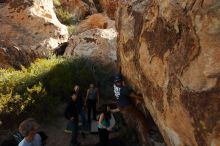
76 88
28 127
105 108
106 111
74 97
91 85
118 80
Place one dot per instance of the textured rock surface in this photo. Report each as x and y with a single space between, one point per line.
109 7
31 27
82 8
96 44
95 21
170 51
79 8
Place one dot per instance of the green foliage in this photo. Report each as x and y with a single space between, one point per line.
22 91
64 16
56 2
71 29
36 91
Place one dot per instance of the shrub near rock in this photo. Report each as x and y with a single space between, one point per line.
23 93
38 90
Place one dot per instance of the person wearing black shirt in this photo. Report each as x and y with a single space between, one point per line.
71 113
80 104
125 98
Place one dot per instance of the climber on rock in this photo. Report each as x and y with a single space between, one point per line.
125 98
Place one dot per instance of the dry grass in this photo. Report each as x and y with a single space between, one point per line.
93 21
110 6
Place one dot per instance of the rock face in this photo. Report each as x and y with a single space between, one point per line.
96 44
94 39
169 50
109 7
95 21
31 28
79 8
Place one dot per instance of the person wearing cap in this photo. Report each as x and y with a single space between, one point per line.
124 94
28 128
125 98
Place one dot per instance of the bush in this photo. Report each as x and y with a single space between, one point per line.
64 16
56 2
71 29
22 91
36 91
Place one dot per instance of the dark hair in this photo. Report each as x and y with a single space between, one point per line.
107 114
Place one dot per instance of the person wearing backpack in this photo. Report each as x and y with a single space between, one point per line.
71 113
28 128
104 125
92 98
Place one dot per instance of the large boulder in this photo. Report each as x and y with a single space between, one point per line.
95 38
170 51
29 28
96 44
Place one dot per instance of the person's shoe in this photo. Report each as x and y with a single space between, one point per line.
68 131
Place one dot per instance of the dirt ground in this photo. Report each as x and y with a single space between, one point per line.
57 136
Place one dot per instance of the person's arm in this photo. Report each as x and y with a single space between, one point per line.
137 99
115 110
100 121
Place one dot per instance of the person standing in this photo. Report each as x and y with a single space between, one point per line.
28 128
104 125
125 98
71 113
92 98
79 102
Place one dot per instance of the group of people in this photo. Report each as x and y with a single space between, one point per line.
78 104
125 98
75 109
